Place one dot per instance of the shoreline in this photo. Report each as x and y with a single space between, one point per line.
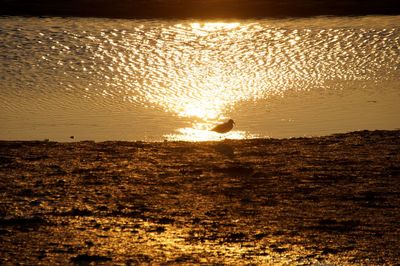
332 199
206 142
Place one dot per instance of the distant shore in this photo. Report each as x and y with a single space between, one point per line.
222 9
332 199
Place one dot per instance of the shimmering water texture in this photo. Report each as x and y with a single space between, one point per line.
150 80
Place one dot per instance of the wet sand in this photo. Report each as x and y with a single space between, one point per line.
331 199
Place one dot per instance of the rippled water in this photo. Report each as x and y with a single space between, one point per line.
163 79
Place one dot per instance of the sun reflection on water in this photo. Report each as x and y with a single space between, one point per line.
214 90
213 26
201 132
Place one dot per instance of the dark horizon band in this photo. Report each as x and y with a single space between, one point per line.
169 9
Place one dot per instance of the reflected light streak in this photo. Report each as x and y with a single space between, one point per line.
201 132
212 89
214 26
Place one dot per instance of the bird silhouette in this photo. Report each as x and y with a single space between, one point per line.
224 127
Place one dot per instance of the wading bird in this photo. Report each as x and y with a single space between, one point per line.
224 127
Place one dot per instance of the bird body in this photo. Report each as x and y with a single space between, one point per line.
224 127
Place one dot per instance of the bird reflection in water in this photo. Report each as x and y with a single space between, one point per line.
225 149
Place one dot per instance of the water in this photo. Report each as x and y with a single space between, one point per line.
108 79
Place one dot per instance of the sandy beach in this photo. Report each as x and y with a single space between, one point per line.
324 200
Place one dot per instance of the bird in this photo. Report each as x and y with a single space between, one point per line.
224 127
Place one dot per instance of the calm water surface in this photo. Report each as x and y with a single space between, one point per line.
104 79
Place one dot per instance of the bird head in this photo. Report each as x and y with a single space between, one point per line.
230 121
